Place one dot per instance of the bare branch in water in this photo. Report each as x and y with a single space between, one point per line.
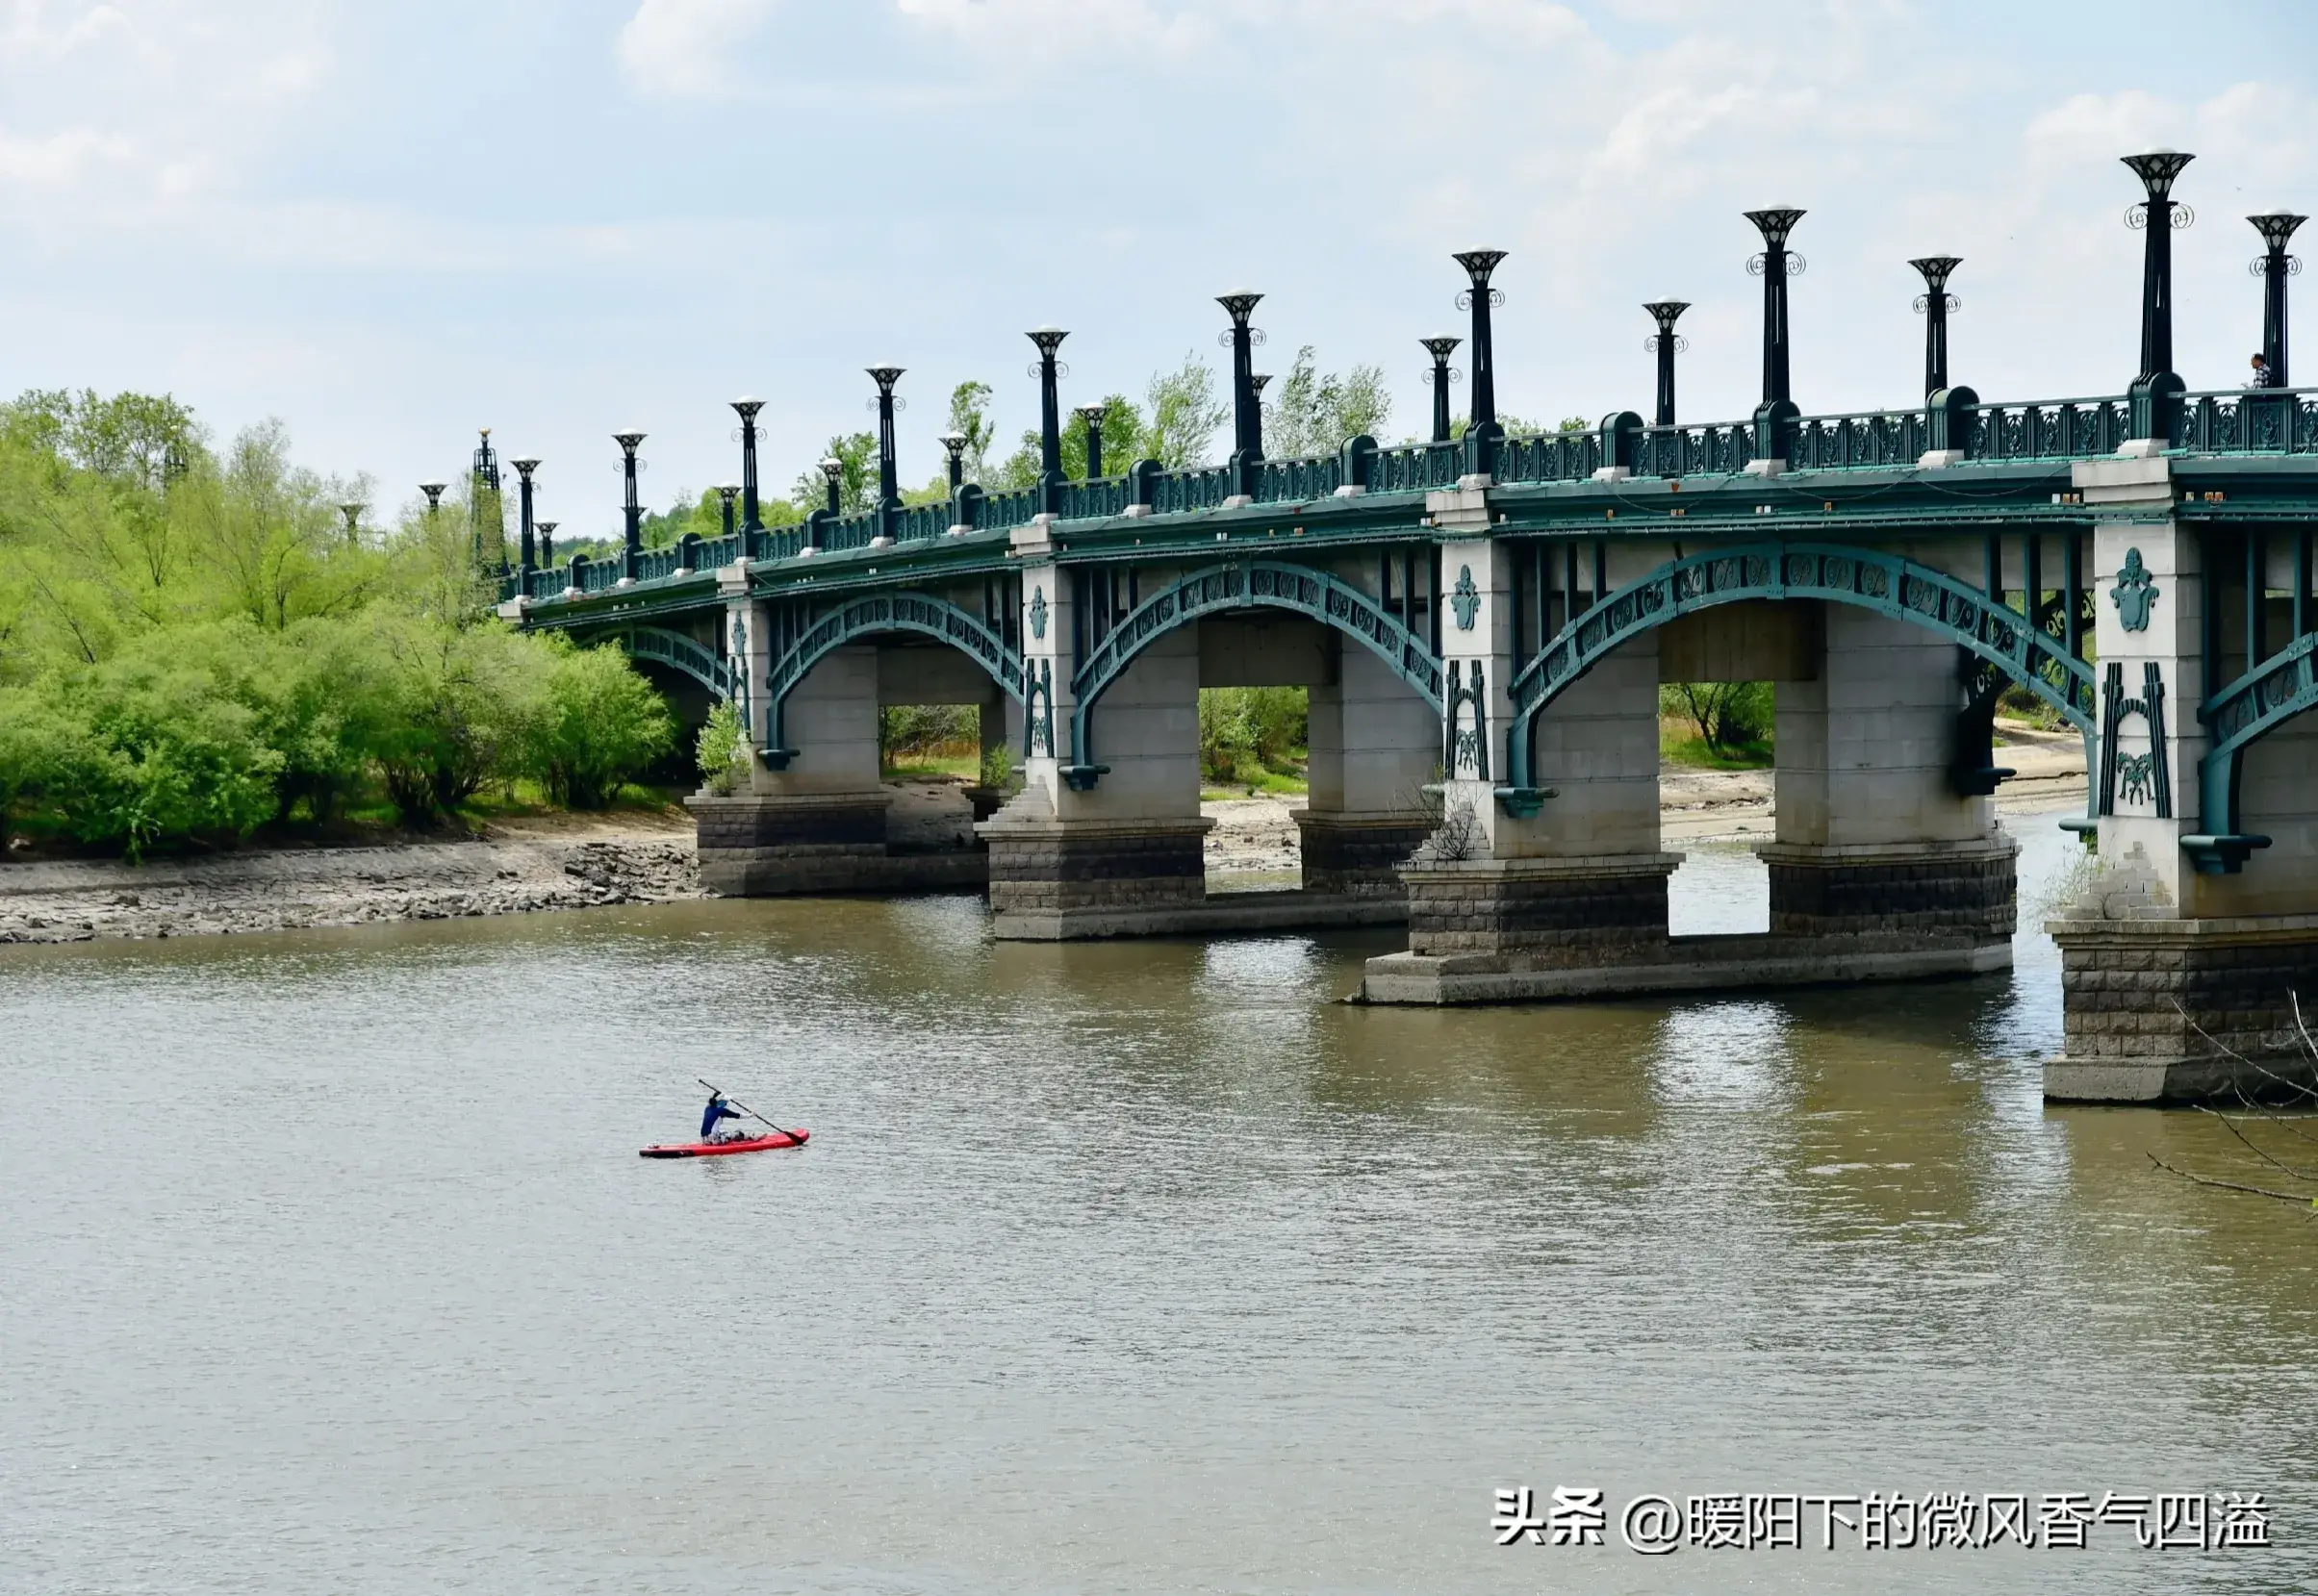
2232 1185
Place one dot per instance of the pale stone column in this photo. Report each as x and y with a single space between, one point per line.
1375 747
1115 851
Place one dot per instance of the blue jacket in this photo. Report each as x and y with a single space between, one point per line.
718 1109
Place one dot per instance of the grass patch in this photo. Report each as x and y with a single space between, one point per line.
1678 745
961 767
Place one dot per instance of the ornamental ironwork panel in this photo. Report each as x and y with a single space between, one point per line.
678 653
920 522
1286 481
1417 468
1870 579
2242 714
891 612
1550 457
1199 488
1243 585
1108 495
1013 508
847 532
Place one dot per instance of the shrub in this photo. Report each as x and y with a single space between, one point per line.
1239 725
601 727
722 750
1732 718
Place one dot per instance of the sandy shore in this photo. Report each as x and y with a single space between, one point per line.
573 862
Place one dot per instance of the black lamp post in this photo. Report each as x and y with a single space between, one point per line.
834 470
751 512
1439 379
1773 266
1666 343
1247 422
1092 416
2156 218
1935 302
953 450
2276 266
522 473
631 540
1048 340
1481 299
353 515
1259 381
889 489
434 496
726 492
546 544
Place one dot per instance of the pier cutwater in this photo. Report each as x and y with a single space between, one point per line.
1483 621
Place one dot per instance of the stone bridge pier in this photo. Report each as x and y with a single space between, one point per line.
1106 838
1548 877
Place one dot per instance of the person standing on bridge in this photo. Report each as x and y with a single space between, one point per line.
2262 376
718 1109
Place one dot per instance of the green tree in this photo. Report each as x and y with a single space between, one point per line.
1314 413
856 457
1734 719
1185 415
601 726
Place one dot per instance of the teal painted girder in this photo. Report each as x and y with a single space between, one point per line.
893 612
678 653
1887 584
1249 584
2242 714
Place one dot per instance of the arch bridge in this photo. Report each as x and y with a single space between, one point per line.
1483 623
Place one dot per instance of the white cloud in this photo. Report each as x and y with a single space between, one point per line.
682 48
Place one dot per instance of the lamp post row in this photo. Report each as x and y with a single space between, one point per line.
2155 386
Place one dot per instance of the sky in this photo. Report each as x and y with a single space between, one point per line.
387 225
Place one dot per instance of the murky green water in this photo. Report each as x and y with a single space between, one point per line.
326 1265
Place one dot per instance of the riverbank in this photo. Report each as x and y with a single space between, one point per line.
565 861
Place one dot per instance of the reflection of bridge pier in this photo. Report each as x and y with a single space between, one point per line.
1482 625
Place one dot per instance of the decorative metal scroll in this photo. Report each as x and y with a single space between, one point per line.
891 612
1465 755
1885 583
2140 777
678 653
1038 709
1240 585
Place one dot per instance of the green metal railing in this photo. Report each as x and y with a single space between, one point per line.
1095 500
1417 468
1551 457
1287 481
1713 449
1877 438
1200 488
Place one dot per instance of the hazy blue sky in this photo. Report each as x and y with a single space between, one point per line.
388 223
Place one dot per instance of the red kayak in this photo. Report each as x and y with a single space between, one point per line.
717 1150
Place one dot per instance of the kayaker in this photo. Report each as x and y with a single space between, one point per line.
718 1109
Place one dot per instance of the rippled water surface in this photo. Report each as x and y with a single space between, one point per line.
327 1265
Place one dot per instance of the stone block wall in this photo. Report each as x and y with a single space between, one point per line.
1346 854
1939 895
2163 1000
1048 869
1560 912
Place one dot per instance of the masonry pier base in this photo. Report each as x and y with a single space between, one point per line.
761 844
2156 1009
1526 931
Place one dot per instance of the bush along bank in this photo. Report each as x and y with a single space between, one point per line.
196 645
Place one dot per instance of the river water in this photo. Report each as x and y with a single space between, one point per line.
327 1265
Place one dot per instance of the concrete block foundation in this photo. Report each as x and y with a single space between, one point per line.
759 845
1357 854
1936 889
2153 1009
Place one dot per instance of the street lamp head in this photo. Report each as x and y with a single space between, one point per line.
1479 264
434 493
833 467
1936 269
1667 312
1440 348
954 444
1048 338
727 490
1775 224
2276 227
1091 415
1259 379
885 376
525 467
628 440
2157 170
546 529
748 407
1239 304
